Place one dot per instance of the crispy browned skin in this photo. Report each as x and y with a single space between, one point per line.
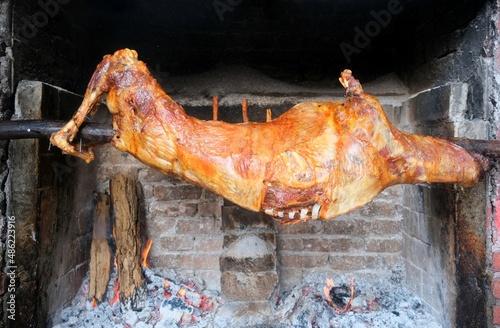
318 160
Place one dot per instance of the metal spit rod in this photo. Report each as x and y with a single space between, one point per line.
95 133
29 129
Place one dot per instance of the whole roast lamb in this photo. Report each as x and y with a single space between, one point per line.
316 161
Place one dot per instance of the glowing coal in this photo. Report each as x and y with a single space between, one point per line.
170 303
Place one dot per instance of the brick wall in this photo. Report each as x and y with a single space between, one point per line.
448 233
189 234
184 221
50 197
437 217
493 227
6 107
364 242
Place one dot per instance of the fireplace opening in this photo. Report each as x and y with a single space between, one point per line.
432 64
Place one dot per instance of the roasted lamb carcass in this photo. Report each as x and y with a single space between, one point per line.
316 161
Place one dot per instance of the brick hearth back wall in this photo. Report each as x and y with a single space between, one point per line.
185 224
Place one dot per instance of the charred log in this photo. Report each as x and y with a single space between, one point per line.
127 238
100 252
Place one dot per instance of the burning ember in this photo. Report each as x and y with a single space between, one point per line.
381 303
182 292
145 253
168 304
116 293
336 296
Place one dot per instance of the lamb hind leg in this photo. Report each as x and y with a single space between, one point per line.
99 84
65 136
